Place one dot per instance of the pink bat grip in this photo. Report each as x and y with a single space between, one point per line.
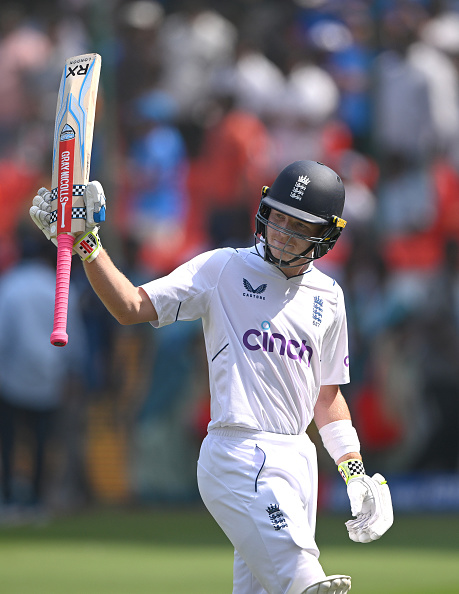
59 335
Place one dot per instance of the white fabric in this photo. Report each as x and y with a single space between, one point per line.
340 438
262 490
371 503
333 584
271 341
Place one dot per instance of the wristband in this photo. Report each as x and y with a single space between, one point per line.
350 469
340 438
88 246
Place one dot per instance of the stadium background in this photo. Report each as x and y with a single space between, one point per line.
200 104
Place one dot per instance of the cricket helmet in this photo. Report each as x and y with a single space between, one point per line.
311 192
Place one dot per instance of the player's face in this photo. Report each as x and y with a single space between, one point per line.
285 246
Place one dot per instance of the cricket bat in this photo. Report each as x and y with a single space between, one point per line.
73 131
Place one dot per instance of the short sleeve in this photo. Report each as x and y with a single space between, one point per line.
185 293
335 350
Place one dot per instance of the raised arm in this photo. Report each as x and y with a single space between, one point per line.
127 303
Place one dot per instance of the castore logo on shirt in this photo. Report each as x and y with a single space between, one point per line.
251 292
270 341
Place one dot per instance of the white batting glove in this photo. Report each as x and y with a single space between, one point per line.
94 199
87 244
40 212
371 503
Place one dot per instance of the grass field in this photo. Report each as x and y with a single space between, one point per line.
165 551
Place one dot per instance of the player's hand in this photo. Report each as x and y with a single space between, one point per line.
40 212
370 500
87 244
94 199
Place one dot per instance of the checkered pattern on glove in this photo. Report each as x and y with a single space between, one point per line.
351 469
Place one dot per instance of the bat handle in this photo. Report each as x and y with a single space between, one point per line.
59 335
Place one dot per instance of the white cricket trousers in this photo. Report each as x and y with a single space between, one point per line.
261 488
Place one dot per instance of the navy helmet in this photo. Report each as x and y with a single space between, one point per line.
311 192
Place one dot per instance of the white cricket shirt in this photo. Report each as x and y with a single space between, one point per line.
271 341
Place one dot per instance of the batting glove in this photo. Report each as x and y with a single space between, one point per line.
86 245
371 503
40 212
94 199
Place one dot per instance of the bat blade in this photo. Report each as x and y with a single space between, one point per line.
73 132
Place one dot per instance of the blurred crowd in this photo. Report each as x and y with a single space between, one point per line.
201 103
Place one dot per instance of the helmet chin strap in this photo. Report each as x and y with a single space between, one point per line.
294 262
280 262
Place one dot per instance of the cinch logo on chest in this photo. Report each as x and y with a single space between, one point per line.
254 340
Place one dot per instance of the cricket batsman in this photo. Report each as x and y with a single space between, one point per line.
276 340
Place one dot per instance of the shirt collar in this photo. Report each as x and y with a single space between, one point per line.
271 268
